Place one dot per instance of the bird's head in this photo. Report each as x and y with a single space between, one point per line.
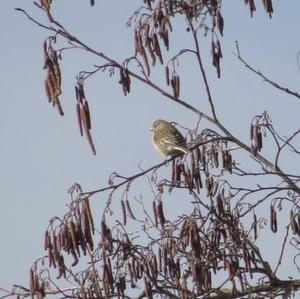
159 124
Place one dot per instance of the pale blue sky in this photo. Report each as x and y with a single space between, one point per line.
42 154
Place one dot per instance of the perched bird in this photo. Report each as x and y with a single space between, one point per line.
167 139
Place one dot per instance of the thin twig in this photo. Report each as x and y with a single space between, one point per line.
282 249
260 74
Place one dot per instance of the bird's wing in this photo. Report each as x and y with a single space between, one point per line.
176 138
176 143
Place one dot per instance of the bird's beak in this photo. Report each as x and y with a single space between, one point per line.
151 130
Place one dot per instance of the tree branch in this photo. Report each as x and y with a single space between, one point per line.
260 74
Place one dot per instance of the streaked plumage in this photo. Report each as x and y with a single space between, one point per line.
167 139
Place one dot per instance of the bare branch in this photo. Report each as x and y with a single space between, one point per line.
260 74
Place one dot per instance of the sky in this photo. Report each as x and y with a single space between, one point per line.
42 154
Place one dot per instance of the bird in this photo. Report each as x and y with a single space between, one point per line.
167 139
